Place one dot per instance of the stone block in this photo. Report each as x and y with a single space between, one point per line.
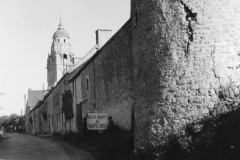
214 98
211 105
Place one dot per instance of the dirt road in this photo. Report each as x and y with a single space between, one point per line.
16 146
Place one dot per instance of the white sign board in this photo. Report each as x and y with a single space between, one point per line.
97 121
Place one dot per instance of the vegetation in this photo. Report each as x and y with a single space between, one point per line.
104 146
215 137
12 121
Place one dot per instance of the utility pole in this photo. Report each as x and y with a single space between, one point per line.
43 89
25 103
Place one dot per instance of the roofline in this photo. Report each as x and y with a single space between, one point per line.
45 97
87 62
52 89
103 30
100 50
61 36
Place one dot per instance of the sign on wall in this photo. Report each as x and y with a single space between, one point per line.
97 121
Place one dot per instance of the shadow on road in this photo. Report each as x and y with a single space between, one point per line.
3 138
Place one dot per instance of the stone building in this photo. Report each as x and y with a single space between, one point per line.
47 115
32 99
34 96
165 68
103 83
60 59
167 65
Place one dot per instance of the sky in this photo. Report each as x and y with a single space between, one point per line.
26 29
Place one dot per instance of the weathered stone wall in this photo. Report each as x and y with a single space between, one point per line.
56 100
54 121
30 125
87 76
49 114
63 125
184 52
170 62
113 77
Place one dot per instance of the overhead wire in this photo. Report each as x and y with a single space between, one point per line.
81 20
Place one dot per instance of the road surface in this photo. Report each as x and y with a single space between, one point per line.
14 146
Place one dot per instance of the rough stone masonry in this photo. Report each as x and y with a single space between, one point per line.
184 53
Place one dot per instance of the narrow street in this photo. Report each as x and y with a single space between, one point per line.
16 146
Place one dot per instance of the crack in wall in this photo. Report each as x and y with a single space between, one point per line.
190 18
214 67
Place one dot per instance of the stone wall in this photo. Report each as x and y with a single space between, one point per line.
66 126
49 114
104 83
54 119
184 52
168 65
113 78
87 90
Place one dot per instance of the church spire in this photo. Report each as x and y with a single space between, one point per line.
60 24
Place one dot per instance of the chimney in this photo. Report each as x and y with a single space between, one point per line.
102 36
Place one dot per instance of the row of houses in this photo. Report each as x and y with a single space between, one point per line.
97 82
163 69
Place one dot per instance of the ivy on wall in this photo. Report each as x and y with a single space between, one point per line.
67 101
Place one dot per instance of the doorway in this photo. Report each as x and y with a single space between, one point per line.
79 118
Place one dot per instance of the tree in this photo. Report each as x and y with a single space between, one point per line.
9 122
4 120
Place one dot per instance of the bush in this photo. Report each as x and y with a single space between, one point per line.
117 145
215 137
56 134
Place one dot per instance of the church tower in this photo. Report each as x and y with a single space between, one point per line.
60 59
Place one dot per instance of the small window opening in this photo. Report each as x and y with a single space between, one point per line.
64 56
58 40
87 84
73 87
64 40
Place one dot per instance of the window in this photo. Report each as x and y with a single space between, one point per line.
52 119
64 40
87 84
58 40
64 56
73 87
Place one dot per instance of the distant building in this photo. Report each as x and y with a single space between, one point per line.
34 96
61 58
